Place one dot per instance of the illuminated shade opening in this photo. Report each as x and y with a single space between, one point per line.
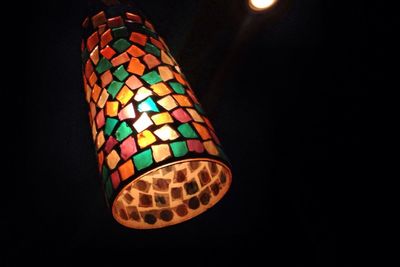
260 5
160 160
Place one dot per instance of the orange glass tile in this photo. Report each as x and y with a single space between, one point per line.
142 93
92 79
112 108
191 95
121 59
98 19
88 90
162 118
156 43
203 132
145 138
161 152
166 133
112 159
167 102
85 22
208 123
100 159
133 82
92 41
179 78
211 148
94 132
135 51
101 29
161 89
88 69
195 115
166 59
94 55
126 170
92 110
100 140
149 25
96 92
165 73
138 38
115 22
107 52
106 78
163 42
124 95
127 113
136 67
151 61
106 37
133 17
182 100
102 99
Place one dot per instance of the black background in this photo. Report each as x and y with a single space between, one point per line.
287 93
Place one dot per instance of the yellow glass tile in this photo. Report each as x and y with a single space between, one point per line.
161 152
162 118
183 101
167 102
165 73
211 148
96 92
202 131
166 133
195 115
103 99
145 138
94 55
112 159
112 108
142 123
100 140
126 170
142 93
166 59
124 95
161 89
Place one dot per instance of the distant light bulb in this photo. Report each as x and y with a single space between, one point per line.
259 5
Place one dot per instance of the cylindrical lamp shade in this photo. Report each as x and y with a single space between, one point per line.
160 160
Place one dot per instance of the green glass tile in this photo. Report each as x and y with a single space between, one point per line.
178 88
148 105
108 188
199 109
110 125
120 32
103 65
152 77
121 73
114 88
179 148
152 50
121 45
123 131
187 131
105 173
143 159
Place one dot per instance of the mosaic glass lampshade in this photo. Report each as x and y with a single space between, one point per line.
159 158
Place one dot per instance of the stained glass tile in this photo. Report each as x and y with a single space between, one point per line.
179 149
142 123
179 78
103 65
195 115
106 78
105 173
202 131
149 32
92 41
199 109
145 138
108 189
192 96
121 73
136 67
120 32
161 152
162 118
100 140
112 159
94 55
142 93
166 133
143 159
183 100
166 59
135 51
85 22
100 119
101 29
98 19
92 109
133 82
100 159
110 125
168 103
211 148
112 108
115 180
157 43
152 77
107 52
148 105
149 25
208 123
114 88
92 79
165 73
88 69
123 131
127 113
96 92
102 99
106 38
187 131
124 95
195 146
134 17
94 132
178 88
138 38
161 89
181 115
152 50
126 170
151 61
121 45
111 142
115 22
121 59
128 148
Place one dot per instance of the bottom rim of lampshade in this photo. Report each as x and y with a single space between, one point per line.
172 193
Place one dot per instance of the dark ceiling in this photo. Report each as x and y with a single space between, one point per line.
286 91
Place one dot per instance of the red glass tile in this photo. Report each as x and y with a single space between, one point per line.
100 160
115 179
102 28
208 123
121 59
106 37
133 17
181 115
151 61
92 41
138 38
214 137
88 69
107 52
106 78
157 43
195 146
111 142
98 19
85 22
149 25
92 79
100 120
82 45
115 22
179 78
135 51
133 82
192 96
128 148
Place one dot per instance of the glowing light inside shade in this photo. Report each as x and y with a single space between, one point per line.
259 5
